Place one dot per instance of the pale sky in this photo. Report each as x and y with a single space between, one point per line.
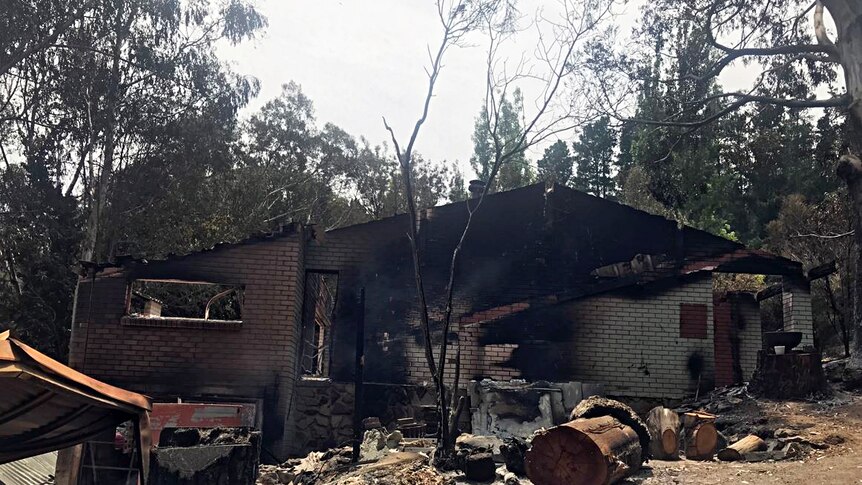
359 60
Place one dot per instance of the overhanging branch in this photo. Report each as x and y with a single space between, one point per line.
744 99
733 54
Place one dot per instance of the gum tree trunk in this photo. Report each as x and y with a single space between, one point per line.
847 15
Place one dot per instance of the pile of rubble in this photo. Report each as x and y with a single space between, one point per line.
388 458
739 416
728 424
376 446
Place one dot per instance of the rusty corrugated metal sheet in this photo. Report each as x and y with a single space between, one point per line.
35 470
46 406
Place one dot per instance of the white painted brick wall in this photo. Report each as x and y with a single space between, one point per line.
615 335
797 309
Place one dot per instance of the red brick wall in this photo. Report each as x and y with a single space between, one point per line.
255 361
723 346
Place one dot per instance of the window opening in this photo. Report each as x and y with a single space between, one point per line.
317 320
185 299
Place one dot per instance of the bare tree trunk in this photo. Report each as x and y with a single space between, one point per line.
101 183
847 15
850 170
13 274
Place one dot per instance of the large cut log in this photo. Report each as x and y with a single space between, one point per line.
588 451
595 406
663 425
701 437
737 451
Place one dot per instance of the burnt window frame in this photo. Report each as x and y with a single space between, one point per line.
140 320
322 368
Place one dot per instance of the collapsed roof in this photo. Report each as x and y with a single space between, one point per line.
557 243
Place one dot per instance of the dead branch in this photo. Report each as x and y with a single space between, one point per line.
458 19
734 54
825 236
537 129
406 175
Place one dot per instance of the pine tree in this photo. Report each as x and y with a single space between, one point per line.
556 164
594 158
516 172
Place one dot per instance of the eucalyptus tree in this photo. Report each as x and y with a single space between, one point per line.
110 79
104 105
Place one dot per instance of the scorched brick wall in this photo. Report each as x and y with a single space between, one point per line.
255 360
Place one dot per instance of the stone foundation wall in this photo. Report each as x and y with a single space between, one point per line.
321 416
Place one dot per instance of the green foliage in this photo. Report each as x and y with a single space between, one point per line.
39 237
594 158
494 138
556 163
728 176
279 166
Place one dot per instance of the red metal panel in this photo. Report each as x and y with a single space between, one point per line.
199 415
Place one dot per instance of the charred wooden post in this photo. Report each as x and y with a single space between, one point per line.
737 451
701 437
663 425
604 443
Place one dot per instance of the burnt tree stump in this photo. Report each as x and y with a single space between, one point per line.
789 376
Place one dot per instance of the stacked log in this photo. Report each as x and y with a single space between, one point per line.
701 437
738 450
601 445
663 425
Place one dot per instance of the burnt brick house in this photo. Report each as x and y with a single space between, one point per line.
554 284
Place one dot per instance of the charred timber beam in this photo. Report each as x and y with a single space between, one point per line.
821 271
769 292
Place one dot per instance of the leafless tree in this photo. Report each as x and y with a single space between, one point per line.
556 71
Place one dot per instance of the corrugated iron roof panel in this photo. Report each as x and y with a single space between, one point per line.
35 470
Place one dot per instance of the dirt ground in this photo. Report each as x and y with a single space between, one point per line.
829 431
837 420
